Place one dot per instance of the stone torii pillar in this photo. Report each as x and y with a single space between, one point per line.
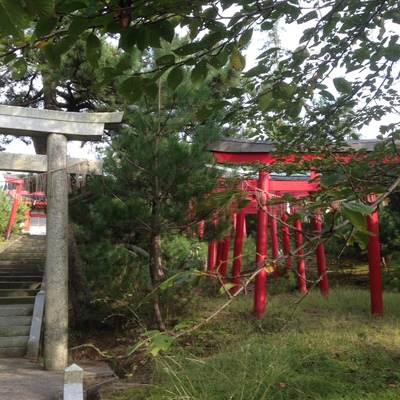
58 127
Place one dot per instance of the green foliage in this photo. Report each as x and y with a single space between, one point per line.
5 212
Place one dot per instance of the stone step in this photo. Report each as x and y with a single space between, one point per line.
19 285
20 320
14 330
17 300
15 255
21 271
13 352
21 278
17 341
22 261
9 310
18 292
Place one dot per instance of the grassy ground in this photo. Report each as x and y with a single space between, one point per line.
332 348
4 243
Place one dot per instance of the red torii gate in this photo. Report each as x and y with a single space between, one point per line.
236 151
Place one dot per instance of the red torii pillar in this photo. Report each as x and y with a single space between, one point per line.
223 262
211 256
286 242
17 197
274 239
260 286
320 253
374 259
238 250
301 264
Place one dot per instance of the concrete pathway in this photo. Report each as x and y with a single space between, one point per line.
23 379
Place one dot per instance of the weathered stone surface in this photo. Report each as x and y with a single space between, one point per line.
251 146
56 270
20 121
38 163
73 383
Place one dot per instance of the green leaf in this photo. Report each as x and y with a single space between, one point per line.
300 55
161 342
194 28
175 77
266 101
143 39
168 59
392 52
211 40
45 25
42 8
150 89
331 179
19 69
209 109
13 18
237 61
93 50
294 109
78 26
9 57
128 39
71 6
218 61
51 55
226 288
62 46
359 237
357 219
359 207
188 49
135 347
308 17
164 29
132 89
257 71
327 95
342 85
283 90
183 326
245 38
199 74
151 333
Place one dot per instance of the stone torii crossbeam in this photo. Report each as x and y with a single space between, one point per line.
58 127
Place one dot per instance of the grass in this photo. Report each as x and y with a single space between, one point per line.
331 349
4 243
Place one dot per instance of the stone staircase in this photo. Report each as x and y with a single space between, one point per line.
21 274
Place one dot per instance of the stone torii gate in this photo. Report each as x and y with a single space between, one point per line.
58 127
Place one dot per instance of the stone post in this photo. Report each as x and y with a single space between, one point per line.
73 383
56 270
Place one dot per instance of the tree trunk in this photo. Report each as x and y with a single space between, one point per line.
155 264
78 289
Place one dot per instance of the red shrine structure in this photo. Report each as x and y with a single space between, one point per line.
35 222
273 221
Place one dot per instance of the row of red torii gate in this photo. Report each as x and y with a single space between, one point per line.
274 220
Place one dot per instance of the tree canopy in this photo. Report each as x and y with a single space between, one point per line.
347 53
341 76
